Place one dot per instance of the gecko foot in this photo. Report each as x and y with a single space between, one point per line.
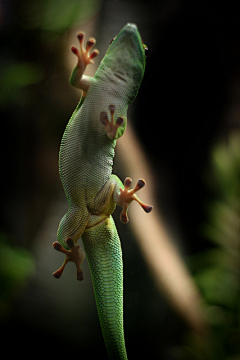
75 254
84 58
127 196
111 127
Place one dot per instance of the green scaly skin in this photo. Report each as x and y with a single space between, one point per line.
85 166
104 253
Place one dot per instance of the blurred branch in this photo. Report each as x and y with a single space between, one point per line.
164 261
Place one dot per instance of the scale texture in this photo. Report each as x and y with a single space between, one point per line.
104 254
85 166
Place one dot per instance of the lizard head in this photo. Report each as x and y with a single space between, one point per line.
125 61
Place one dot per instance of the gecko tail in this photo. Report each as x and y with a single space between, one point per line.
104 253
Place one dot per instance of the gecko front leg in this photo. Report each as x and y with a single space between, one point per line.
111 127
84 58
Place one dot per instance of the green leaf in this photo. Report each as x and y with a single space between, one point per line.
15 77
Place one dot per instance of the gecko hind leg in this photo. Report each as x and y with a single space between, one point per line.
75 254
126 196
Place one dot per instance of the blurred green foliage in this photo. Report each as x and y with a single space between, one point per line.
51 18
54 17
29 56
217 270
14 78
16 266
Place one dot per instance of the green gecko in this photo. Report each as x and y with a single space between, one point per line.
85 166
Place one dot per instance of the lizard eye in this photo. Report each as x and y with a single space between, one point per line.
146 50
112 40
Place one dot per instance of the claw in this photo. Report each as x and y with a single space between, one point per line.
104 118
140 184
80 36
112 109
75 50
127 182
124 216
57 274
94 54
75 254
90 44
119 121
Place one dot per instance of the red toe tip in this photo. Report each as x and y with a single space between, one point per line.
80 276
57 274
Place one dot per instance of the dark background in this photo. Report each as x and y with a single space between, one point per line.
189 99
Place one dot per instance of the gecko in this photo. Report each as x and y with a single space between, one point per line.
85 166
